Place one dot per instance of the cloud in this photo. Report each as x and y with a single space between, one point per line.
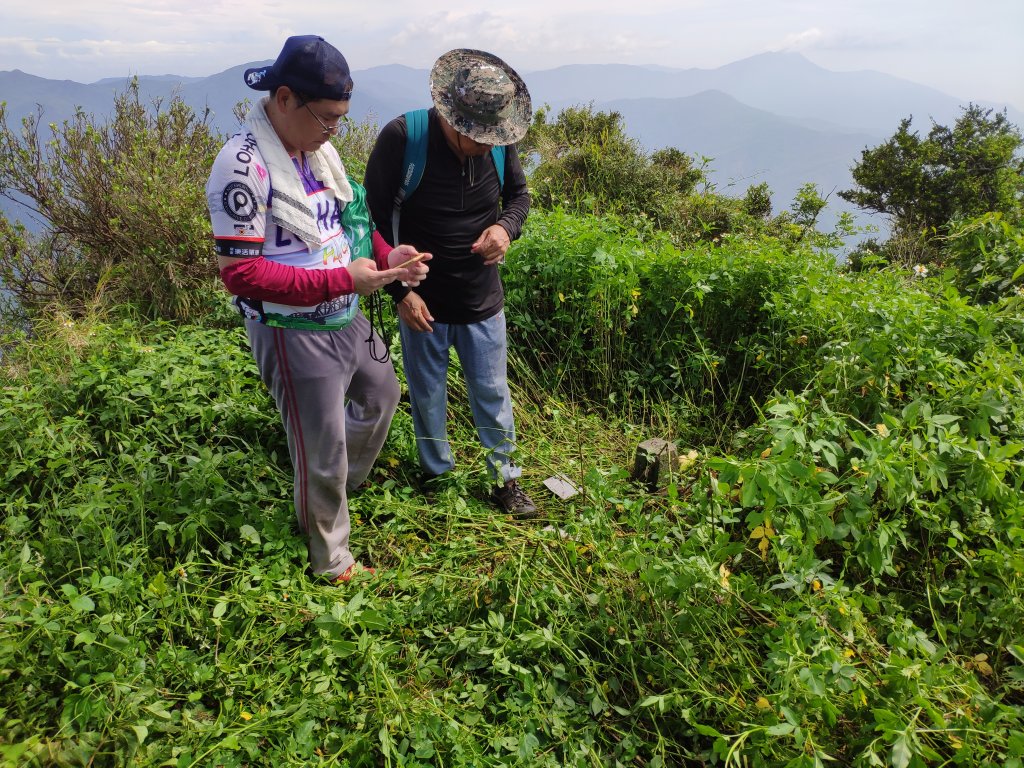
542 41
117 56
801 41
927 40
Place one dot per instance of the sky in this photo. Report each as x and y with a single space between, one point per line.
971 49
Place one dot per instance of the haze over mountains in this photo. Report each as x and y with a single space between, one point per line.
774 117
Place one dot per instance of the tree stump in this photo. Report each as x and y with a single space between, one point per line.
653 462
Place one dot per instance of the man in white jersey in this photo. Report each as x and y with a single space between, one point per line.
296 247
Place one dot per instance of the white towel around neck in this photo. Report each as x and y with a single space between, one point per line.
289 209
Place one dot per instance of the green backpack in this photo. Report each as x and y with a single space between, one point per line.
415 160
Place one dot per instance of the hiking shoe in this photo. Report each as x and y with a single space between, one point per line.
513 499
352 571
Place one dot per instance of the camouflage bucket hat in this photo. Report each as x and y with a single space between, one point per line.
481 96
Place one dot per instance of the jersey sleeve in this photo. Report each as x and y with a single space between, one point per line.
237 195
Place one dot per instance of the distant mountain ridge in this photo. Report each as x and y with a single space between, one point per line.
747 145
774 117
783 83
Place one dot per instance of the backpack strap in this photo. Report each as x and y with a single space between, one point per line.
413 163
415 160
498 156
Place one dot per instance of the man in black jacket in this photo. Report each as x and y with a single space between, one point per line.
462 214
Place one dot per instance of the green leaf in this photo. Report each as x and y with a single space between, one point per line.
109 583
158 586
249 534
158 710
83 604
901 752
220 609
749 494
706 730
372 621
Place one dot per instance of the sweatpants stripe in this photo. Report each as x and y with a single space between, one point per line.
291 401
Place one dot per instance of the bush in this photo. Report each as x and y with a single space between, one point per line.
614 315
988 254
125 208
585 163
842 584
924 184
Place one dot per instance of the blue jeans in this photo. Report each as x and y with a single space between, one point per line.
482 349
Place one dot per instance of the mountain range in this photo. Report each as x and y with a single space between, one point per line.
774 117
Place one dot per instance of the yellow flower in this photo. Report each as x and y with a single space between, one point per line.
245 715
762 703
882 430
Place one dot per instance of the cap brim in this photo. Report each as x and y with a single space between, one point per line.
259 78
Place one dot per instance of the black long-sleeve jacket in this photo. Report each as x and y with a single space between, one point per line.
453 204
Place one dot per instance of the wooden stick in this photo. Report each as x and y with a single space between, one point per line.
413 260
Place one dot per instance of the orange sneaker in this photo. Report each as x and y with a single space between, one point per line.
352 571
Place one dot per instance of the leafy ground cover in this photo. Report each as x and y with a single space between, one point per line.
832 576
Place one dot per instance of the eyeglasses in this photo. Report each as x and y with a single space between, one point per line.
329 130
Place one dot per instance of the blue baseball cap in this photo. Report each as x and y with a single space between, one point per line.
308 65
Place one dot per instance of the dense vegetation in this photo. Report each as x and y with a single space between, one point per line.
927 185
832 572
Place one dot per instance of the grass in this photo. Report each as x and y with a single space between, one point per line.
156 610
166 600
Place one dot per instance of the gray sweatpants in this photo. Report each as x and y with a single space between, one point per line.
310 374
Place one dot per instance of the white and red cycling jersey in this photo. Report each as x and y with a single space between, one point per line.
240 198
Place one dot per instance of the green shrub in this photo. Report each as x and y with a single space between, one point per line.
827 590
613 315
988 254
585 163
124 205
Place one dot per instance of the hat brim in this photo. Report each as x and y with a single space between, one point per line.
510 129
